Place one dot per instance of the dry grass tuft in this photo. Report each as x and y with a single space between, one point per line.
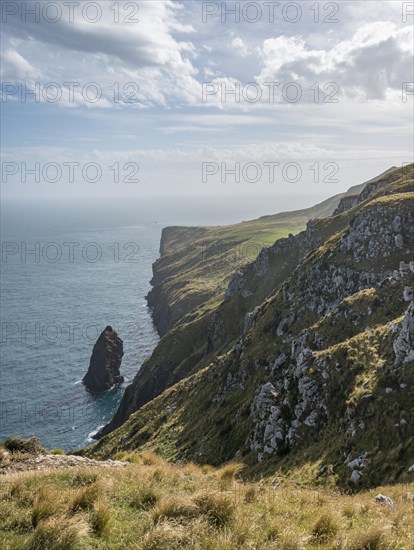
142 498
101 518
325 529
59 534
86 498
45 506
228 473
187 509
165 536
179 508
218 508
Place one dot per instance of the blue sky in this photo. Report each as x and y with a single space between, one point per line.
168 55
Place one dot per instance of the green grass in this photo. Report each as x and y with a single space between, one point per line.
193 511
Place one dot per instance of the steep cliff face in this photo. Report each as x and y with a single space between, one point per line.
322 378
191 296
199 270
105 363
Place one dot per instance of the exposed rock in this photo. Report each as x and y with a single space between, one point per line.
103 372
358 463
404 344
382 499
261 264
270 430
235 285
355 476
285 324
346 203
46 462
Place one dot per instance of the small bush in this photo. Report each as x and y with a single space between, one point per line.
325 529
147 458
372 539
158 474
120 455
273 532
31 446
21 492
218 508
59 534
151 459
57 452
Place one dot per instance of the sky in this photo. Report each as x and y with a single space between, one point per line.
288 100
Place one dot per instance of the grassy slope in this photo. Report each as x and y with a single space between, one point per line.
152 505
188 422
196 263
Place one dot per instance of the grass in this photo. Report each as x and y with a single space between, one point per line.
188 508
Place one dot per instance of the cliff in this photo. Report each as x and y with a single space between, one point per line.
320 375
190 281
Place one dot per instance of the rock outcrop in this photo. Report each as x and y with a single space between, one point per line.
404 344
56 462
105 363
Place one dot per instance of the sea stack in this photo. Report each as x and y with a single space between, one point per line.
105 363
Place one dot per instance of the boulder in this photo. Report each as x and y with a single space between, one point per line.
382 499
105 363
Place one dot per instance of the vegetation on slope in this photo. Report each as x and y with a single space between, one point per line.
205 325
153 505
319 355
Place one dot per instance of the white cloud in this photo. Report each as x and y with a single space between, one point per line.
145 52
240 47
18 65
378 57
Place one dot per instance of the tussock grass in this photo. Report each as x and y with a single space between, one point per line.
45 505
142 498
188 509
59 534
325 529
101 518
165 536
228 473
217 507
179 508
85 499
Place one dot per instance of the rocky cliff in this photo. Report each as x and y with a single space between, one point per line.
105 363
320 376
191 279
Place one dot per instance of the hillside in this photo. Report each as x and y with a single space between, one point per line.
320 385
196 271
144 503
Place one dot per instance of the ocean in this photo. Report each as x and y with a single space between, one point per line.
68 269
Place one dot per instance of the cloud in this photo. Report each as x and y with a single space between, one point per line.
146 52
18 65
378 57
240 47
